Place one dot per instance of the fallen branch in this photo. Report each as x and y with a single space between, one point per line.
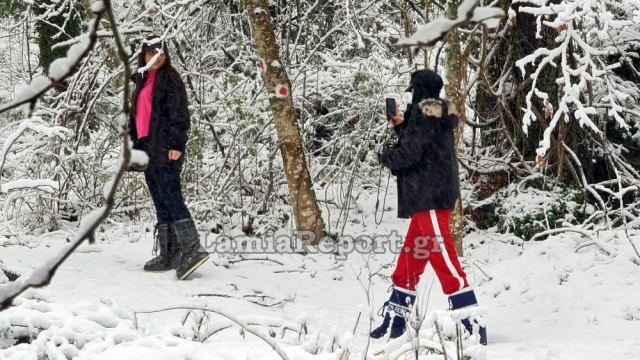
224 314
606 249
235 261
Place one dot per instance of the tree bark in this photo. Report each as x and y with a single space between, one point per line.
304 205
456 73
427 11
406 18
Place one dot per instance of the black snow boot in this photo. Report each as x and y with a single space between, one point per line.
463 299
166 250
396 313
192 254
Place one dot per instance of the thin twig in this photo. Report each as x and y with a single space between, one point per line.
224 314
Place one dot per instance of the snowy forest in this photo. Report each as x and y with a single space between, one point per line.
288 177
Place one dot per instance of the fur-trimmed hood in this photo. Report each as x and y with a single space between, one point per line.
437 109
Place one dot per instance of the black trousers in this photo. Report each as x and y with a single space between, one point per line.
166 192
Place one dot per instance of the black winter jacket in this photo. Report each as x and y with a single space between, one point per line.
170 122
424 159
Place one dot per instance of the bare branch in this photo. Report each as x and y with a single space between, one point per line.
233 318
43 275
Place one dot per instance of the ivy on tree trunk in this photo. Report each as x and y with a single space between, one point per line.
64 26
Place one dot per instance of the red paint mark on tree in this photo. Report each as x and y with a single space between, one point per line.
282 91
262 65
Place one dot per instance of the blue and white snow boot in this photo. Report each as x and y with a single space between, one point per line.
463 299
397 312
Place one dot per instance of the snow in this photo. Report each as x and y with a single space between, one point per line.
139 157
429 34
565 295
87 248
150 4
108 188
151 62
97 6
488 15
42 184
25 92
541 299
560 298
60 67
37 125
590 70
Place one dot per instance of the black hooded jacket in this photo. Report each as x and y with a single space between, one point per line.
424 159
170 121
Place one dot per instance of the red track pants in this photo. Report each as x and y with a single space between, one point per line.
429 240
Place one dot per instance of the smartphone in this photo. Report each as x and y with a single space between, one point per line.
391 108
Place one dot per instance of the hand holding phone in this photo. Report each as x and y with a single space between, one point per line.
392 112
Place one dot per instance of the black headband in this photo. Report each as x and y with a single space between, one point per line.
146 47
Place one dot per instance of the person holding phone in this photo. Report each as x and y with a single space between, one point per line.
424 162
158 124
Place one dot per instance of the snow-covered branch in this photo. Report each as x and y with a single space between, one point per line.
582 50
61 68
43 275
233 318
468 12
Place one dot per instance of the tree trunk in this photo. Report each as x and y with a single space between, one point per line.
427 11
455 90
305 208
406 19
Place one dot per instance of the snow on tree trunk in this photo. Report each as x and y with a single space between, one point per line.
305 208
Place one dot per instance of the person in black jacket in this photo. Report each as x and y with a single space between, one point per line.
424 162
159 122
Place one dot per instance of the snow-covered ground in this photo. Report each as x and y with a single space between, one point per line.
543 300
